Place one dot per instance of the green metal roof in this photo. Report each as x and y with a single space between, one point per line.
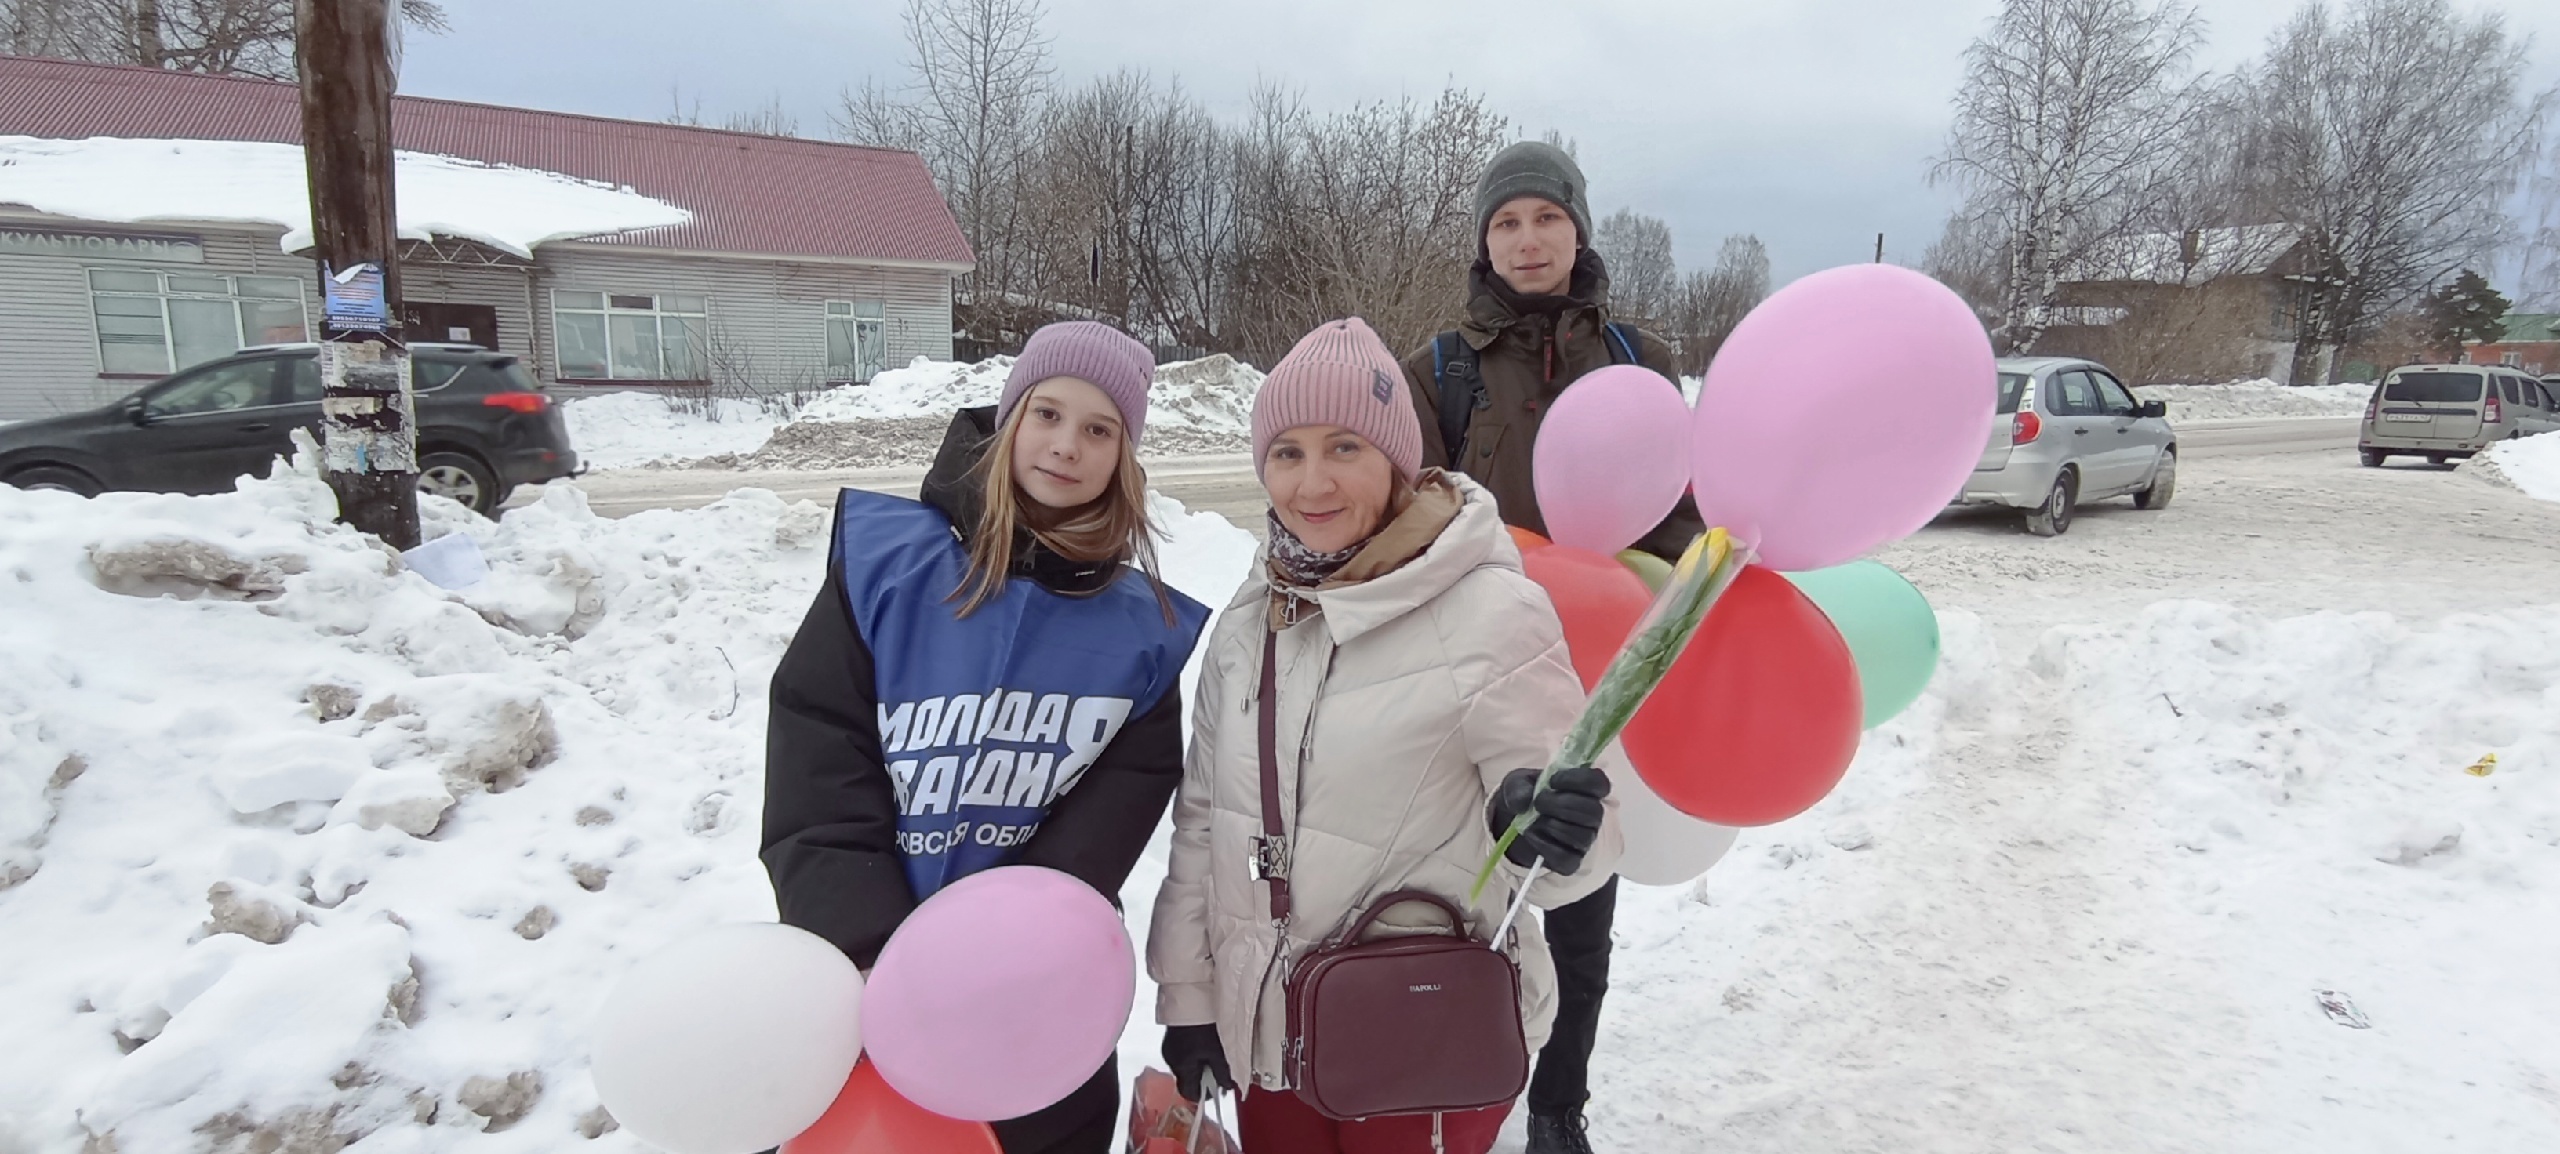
2531 327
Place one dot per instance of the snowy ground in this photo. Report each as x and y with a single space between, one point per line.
2260 398
623 430
1195 408
2530 465
2181 772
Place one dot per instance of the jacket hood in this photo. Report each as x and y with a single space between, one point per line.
951 486
1474 539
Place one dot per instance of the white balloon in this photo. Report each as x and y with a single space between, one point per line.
1664 847
730 1041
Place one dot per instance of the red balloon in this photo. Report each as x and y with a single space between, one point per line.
1598 600
1760 717
870 1118
1527 541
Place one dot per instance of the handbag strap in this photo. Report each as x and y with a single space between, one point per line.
1271 850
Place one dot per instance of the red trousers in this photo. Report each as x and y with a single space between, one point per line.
1280 1122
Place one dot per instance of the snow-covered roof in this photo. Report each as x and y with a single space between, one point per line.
749 194
135 181
2167 258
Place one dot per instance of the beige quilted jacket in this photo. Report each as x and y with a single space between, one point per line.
1403 701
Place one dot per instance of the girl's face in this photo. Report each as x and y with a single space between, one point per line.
1068 445
1329 485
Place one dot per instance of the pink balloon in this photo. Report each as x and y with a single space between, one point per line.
1000 995
1843 414
1612 458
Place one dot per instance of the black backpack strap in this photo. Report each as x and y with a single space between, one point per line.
1461 382
1622 347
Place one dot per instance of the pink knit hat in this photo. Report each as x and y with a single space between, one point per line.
1340 374
1088 351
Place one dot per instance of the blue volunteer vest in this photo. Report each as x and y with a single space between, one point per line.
986 721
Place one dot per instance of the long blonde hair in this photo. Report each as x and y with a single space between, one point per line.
1113 528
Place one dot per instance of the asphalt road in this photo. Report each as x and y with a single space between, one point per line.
1226 485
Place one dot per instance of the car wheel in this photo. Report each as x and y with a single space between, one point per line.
57 479
2436 458
2372 458
2164 484
2053 518
462 478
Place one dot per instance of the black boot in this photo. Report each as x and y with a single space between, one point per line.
1558 1134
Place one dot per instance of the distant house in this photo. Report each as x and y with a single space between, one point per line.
797 263
2531 342
2205 305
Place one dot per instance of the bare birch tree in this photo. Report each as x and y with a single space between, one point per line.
1368 212
2067 123
1644 278
2538 288
978 75
2392 137
1737 284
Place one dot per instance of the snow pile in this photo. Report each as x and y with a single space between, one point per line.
2242 400
1195 408
925 388
621 430
297 850
136 181
2104 892
2530 464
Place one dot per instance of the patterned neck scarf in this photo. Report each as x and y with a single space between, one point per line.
1302 566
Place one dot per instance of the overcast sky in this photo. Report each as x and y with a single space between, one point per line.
1808 122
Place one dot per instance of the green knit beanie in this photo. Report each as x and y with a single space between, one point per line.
1533 168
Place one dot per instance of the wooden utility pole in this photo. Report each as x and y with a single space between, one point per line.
1879 248
368 426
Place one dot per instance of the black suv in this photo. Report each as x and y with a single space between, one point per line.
484 427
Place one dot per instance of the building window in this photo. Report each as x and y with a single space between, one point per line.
627 337
151 323
2511 360
857 340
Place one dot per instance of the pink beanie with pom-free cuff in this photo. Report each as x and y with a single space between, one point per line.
1341 374
1111 360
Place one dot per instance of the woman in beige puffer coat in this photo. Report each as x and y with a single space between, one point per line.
1419 673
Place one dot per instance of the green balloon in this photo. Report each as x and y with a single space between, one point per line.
1891 631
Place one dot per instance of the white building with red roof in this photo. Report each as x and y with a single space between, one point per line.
154 220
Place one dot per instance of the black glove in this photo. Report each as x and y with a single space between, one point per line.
1193 1051
1568 816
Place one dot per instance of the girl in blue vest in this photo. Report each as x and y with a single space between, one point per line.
990 676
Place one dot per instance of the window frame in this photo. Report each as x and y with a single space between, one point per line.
662 307
870 357
189 376
234 296
2104 381
2063 406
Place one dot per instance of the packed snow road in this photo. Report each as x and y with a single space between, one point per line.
1226 485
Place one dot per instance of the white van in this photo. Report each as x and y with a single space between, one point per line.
2444 412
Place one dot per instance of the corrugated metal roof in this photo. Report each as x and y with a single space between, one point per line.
748 193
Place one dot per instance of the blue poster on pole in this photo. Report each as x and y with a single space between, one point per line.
353 300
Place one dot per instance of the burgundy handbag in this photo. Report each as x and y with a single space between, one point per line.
1419 1024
